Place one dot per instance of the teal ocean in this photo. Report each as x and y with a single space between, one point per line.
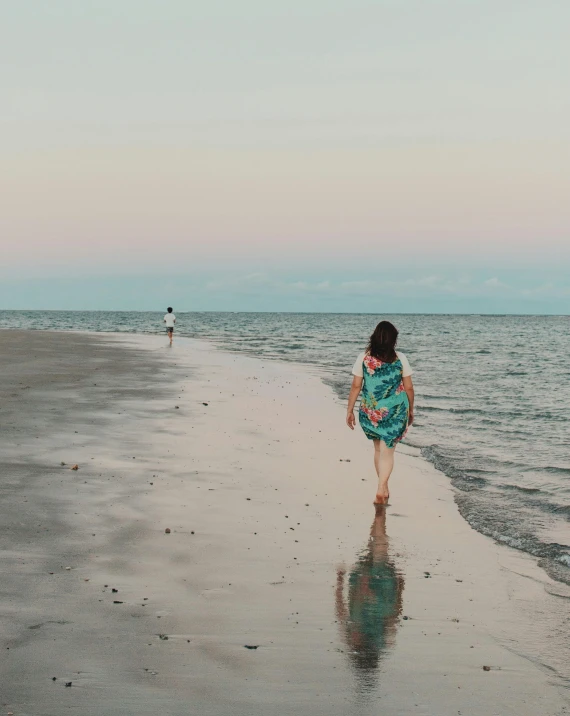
492 400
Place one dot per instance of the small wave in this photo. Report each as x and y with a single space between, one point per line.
469 482
550 416
456 411
428 396
556 470
500 519
462 479
520 488
413 443
560 509
511 433
461 411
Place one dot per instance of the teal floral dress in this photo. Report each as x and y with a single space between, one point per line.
384 405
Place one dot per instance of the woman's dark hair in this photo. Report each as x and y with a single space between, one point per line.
382 343
169 309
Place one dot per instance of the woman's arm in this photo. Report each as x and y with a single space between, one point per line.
355 389
409 388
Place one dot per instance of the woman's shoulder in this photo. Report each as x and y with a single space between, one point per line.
407 369
357 368
360 358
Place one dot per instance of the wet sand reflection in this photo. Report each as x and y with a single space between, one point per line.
368 617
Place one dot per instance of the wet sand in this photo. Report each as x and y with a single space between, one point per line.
273 544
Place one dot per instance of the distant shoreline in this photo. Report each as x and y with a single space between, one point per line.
287 313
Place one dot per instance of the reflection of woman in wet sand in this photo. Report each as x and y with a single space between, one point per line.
369 619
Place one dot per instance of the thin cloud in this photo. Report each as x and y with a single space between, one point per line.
495 283
262 285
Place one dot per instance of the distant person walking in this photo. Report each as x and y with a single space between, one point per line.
383 374
170 320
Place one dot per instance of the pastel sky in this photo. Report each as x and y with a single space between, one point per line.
387 155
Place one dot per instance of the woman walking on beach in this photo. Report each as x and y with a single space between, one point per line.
383 374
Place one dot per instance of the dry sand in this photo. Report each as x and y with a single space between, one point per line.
267 496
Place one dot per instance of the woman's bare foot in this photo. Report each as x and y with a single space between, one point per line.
382 496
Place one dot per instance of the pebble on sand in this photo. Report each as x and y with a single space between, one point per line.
251 646
167 530
75 467
486 668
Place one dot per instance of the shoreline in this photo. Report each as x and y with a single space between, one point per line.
231 574
555 570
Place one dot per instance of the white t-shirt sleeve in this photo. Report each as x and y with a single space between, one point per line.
357 368
407 369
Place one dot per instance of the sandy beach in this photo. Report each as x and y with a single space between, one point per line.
216 551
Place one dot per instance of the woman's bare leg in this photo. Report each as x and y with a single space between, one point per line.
384 464
377 458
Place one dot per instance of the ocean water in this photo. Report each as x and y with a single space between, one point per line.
492 392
